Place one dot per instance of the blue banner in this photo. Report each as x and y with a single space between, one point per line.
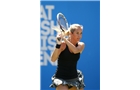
86 13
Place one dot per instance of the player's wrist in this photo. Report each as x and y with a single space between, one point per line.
58 46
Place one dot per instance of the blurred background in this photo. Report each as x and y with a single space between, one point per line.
86 13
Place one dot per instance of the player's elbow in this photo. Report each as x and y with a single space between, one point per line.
76 51
52 59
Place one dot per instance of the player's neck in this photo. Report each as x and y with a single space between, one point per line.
73 41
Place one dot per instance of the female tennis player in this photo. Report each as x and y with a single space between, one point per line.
67 52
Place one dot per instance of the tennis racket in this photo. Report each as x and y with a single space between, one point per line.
62 23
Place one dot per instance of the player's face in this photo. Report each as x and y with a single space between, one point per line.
77 34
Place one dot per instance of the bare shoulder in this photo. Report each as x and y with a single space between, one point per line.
81 43
63 45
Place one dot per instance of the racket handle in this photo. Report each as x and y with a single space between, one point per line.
58 40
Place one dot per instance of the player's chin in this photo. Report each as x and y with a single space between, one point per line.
78 39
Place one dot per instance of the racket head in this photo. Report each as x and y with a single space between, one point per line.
62 22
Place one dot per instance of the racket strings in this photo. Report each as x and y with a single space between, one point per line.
63 24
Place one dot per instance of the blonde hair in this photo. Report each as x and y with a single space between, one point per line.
72 28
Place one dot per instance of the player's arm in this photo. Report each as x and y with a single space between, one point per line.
75 49
57 51
55 54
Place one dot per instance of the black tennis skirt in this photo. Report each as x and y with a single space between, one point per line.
77 82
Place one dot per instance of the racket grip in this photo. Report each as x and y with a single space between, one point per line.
59 39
